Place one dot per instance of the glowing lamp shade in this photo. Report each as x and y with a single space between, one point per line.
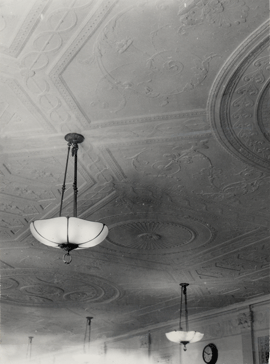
59 231
184 337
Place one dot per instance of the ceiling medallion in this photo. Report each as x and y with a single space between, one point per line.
69 233
180 336
149 233
238 105
149 236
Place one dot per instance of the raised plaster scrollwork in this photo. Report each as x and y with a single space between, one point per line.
222 326
50 171
171 164
21 199
134 66
259 255
33 288
30 22
261 318
59 22
59 68
9 283
237 111
136 195
18 189
21 94
219 13
18 209
247 181
264 112
38 289
244 320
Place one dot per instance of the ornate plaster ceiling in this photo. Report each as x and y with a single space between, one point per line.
172 98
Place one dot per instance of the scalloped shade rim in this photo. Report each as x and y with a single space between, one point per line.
187 337
62 230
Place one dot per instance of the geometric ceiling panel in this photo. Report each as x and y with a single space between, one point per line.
119 73
172 98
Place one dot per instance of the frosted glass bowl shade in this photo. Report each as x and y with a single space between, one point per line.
62 230
185 337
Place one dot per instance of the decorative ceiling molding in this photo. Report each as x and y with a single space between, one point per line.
56 73
28 103
222 14
152 234
238 101
41 287
197 115
134 79
233 246
27 28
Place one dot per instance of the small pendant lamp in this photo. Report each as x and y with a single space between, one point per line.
29 347
69 233
180 336
149 344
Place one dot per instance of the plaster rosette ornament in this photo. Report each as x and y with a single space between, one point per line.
180 336
69 233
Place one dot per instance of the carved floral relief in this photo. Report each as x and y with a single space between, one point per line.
220 13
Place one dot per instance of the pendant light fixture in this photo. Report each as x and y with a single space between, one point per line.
87 335
69 233
86 357
29 347
149 344
180 336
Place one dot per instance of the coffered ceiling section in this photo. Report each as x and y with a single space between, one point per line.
172 98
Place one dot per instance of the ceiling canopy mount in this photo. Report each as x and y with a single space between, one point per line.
74 138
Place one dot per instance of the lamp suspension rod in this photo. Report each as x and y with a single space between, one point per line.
149 344
73 140
184 292
64 182
186 308
180 311
75 189
87 335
